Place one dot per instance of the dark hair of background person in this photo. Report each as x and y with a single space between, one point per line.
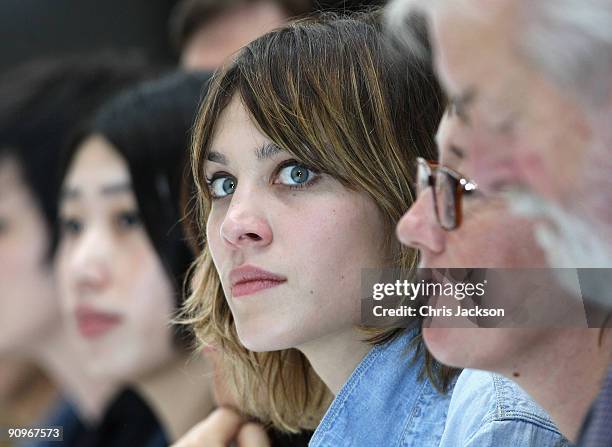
44 100
150 127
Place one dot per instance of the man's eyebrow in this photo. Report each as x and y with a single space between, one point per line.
456 151
458 104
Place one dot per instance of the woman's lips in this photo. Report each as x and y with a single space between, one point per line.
93 323
247 280
250 287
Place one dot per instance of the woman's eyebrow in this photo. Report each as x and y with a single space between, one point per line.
68 193
217 157
111 189
267 150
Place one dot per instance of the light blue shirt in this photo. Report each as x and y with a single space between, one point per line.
384 403
487 409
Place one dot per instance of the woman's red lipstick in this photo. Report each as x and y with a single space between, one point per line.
93 323
247 280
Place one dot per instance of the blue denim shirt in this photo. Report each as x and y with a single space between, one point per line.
487 409
384 403
597 428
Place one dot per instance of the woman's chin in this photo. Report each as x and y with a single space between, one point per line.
259 341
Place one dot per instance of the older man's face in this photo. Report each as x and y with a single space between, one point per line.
516 130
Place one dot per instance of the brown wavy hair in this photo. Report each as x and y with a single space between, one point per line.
332 92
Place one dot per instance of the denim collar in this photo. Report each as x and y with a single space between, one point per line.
385 401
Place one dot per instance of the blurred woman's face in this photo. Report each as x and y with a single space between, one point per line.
288 243
115 291
29 307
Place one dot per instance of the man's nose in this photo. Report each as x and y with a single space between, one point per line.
419 227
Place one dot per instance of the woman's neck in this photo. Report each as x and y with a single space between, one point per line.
179 393
335 357
58 357
565 376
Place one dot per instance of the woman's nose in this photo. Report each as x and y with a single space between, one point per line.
91 262
245 225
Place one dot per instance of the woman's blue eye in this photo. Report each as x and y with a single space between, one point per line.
295 174
222 186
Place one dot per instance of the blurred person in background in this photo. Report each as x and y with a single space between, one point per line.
42 103
122 255
26 393
531 85
207 32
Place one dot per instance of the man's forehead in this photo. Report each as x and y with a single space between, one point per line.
469 48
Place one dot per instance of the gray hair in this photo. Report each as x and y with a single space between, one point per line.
399 12
569 41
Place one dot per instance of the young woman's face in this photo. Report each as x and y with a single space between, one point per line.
288 243
29 307
116 293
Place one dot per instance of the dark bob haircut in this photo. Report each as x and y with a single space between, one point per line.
44 101
150 127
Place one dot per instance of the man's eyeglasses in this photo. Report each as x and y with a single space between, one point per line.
448 187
